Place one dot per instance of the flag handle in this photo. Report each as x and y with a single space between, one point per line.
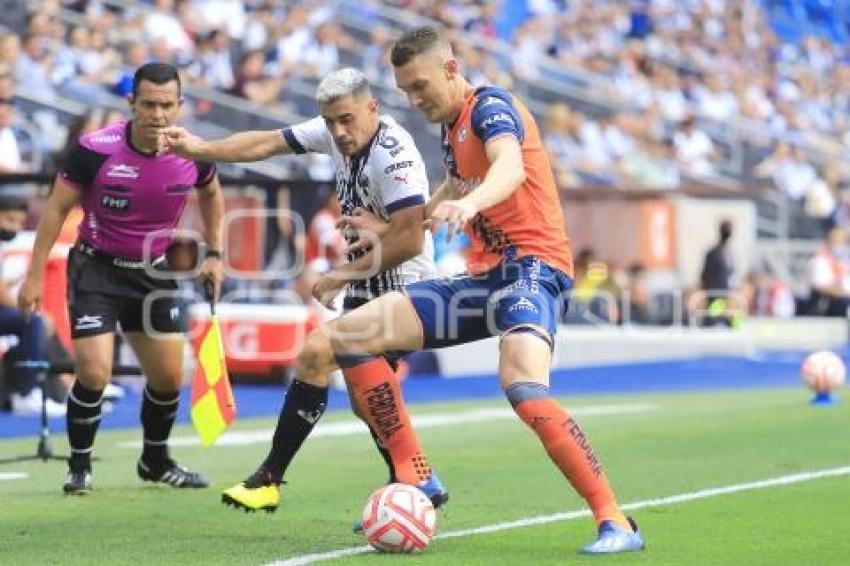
209 293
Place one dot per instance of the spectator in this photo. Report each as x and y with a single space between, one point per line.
789 169
252 83
228 15
10 49
214 59
562 148
768 295
283 241
637 308
716 278
10 155
135 55
34 67
162 24
718 266
713 101
594 297
26 396
694 150
829 276
325 245
376 58
321 55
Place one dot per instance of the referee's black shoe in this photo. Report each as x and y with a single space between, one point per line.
77 482
169 472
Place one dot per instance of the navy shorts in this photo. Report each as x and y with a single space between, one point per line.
517 292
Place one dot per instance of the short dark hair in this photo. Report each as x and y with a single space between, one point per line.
412 43
157 73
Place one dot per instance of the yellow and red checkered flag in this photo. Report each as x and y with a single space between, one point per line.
213 407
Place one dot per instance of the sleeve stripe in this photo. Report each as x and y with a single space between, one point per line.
406 202
210 174
293 142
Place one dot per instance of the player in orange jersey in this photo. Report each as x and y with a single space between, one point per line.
500 187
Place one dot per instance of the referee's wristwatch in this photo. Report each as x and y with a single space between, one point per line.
212 252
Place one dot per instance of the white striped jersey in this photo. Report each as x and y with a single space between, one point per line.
387 176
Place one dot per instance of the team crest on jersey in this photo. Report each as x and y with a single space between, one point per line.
123 171
461 135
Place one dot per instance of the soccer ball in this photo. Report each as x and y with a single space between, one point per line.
399 518
823 371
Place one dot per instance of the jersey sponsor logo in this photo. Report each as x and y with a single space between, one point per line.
400 178
88 322
396 151
490 100
119 204
123 171
523 304
494 119
107 138
510 289
396 166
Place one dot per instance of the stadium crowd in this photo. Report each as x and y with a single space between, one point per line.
670 75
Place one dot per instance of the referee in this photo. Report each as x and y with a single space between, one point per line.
132 199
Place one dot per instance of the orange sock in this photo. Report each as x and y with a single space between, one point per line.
376 391
570 449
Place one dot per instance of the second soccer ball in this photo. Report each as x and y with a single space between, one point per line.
823 371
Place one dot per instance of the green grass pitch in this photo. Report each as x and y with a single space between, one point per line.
496 472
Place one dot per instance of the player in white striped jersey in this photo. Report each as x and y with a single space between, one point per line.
379 170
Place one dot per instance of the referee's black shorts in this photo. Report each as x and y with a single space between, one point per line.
101 294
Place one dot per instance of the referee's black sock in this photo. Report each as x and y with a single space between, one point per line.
82 420
158 413
303 406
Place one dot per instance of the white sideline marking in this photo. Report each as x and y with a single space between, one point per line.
8 476
543 519
350 427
